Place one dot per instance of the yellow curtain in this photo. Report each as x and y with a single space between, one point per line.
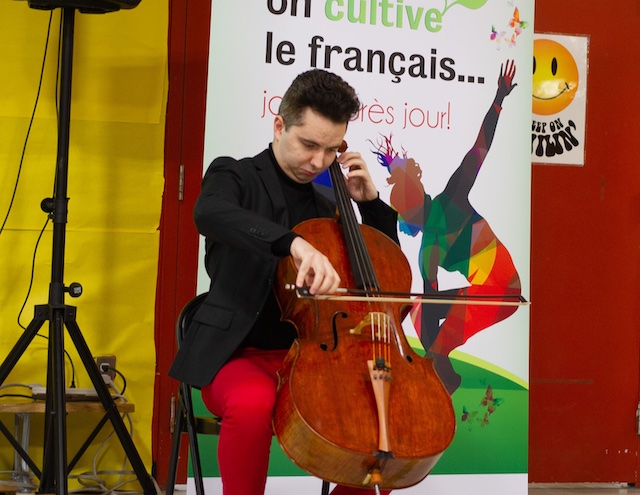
115 185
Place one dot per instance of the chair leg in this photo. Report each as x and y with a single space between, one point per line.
193 440
325 488
175 446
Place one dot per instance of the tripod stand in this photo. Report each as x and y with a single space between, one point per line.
55 469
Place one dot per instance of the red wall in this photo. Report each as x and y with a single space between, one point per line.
585 277
585 245
188 45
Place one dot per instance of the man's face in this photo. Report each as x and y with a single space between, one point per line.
307 149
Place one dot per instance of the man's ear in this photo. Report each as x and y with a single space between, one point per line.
278 126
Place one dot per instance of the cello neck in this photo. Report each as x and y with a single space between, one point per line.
361 264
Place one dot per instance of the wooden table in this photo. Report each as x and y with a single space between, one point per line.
24 409
37 407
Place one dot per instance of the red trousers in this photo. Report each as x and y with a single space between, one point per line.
244 394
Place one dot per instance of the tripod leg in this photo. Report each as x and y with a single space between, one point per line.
110 408
55 444
41 315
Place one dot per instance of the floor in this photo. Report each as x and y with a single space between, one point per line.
567 489
534 489
581 489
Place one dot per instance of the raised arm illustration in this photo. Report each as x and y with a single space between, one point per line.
455 238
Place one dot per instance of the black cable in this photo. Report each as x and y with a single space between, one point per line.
33 261
33 114
33 270
26 299
22 396
124 380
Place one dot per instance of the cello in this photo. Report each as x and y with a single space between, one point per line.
356 405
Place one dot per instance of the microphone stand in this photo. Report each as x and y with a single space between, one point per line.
53 478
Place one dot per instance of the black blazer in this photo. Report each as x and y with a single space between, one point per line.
242 211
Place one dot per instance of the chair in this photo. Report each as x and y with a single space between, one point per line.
187 421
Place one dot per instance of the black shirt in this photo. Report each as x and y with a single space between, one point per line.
269 332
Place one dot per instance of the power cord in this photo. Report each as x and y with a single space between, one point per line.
15 385
33 114
20 166
94 475
92 481
33 271
105 369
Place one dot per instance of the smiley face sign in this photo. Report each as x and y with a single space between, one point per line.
555 77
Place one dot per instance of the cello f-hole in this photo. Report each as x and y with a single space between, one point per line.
334 327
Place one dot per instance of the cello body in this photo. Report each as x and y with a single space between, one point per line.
338 415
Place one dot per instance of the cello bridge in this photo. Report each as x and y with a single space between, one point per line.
373 319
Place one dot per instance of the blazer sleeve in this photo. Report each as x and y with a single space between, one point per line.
234 207
381 216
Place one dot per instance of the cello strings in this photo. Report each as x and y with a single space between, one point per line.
352 231
364 266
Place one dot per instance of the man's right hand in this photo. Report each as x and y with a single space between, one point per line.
314 268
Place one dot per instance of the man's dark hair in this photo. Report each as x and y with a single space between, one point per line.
323 92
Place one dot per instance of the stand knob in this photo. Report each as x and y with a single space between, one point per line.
74 289
48 205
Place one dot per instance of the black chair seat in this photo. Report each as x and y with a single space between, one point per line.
207 426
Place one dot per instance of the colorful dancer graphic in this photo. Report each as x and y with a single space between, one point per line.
455 237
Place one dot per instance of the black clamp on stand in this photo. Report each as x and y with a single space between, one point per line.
53 478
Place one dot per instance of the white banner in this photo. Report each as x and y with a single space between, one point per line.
446 92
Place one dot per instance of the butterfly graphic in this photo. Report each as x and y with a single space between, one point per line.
468 417
495 34
485 420
489 401
511 32
516 23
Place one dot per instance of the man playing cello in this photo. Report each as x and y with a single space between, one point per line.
246 211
